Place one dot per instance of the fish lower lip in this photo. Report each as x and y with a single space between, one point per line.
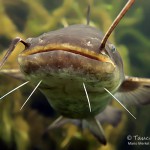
63 61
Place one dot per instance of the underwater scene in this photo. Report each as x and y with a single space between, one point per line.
27 128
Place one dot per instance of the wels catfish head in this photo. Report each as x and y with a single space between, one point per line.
65 59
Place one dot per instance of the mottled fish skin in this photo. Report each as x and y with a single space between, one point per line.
63 71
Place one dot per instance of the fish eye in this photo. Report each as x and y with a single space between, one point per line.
112 48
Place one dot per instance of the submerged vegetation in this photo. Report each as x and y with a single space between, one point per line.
23 130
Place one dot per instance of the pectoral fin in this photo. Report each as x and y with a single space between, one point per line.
15 73
110 115
60 121
96 129
92 124
134 91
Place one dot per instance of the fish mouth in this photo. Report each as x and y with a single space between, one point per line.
64 58
68 48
